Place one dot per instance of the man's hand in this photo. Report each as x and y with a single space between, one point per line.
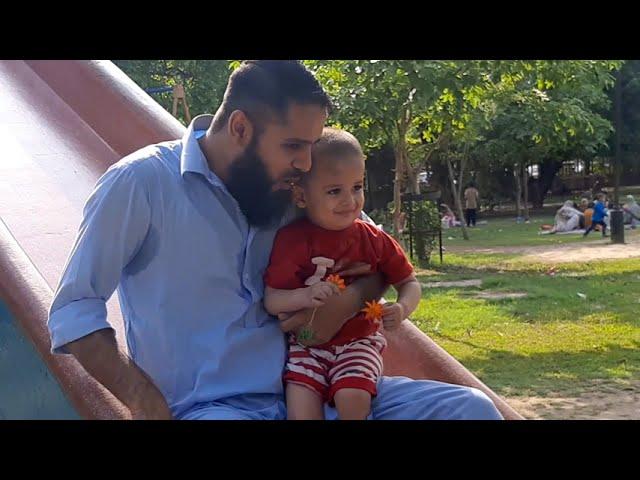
392 315
346 268
319 292
152 406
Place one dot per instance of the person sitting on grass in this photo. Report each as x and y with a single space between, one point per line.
567 218
631 212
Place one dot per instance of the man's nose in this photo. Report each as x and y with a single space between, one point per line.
303 161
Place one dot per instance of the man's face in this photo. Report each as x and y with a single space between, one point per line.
286 147
260 178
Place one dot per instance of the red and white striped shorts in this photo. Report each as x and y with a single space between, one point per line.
328 369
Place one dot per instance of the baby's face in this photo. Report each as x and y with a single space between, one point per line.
333 195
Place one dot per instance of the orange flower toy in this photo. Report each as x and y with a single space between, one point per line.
337 280
373 311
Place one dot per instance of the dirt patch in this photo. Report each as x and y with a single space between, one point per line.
500 295
600 249
586 253
597 400
458 283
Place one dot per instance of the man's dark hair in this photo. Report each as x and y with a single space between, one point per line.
263 89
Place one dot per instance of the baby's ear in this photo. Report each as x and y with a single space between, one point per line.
298 197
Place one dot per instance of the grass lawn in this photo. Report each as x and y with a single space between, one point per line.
504 231
580 324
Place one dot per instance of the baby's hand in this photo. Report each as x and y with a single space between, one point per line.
319 292
392 315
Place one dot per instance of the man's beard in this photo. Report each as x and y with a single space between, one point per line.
251 186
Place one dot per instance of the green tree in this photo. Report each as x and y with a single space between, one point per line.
204 81
546 112
406 104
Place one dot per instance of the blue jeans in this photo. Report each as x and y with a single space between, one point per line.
399 398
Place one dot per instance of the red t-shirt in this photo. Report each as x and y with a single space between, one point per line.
299 242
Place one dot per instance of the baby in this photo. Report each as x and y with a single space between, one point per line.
344 371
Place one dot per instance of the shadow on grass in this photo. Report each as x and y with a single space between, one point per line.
543 373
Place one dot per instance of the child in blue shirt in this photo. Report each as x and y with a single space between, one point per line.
599 212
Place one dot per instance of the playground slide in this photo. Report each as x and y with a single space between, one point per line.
62 123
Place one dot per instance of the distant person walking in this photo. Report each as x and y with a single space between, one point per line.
471 199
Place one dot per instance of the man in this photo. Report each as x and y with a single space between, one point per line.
184 230
471 197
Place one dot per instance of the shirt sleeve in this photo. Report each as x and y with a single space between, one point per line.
115 222
393 262
288 256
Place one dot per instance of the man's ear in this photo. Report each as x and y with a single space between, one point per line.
298 197
240 129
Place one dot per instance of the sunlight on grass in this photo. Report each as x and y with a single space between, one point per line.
580 324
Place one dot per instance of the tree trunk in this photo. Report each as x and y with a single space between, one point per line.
525 192
548 171
412 177
398 184
516 177
618 126
457 193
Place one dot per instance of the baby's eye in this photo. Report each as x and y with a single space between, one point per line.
334 191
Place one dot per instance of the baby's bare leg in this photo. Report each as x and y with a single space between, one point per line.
352 403
303 403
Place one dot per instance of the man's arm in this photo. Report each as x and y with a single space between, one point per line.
115 223
327 321
101 357
330 318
